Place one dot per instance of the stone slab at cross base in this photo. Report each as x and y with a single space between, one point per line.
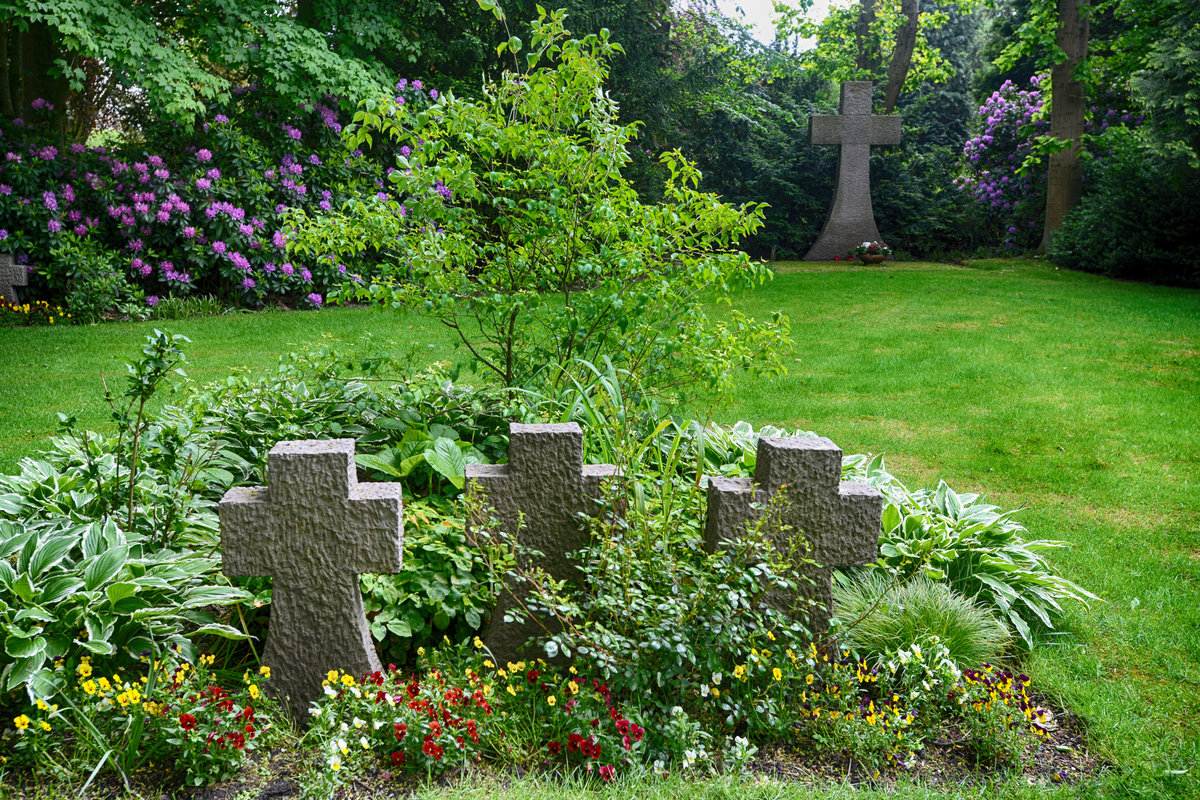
851 218
314 529
540 497
11 275
839 520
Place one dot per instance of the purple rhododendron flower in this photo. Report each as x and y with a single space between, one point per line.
219 248
247 283
203 184
315 299
152 300
54 226
287 268
306 276
50 201
203 155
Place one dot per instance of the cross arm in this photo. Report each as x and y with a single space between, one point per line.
246 540
825 129
376 530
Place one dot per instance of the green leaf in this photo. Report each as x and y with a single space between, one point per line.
448 460
105 567
50 553
24 647
217 629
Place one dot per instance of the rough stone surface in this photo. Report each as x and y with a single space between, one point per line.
11 275
852 218
538 497
839 519
313 529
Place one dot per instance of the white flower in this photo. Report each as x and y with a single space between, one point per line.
315 711
717 677
329 692
344 727
342 748
866 244
704 691
365 744
358 723
379 723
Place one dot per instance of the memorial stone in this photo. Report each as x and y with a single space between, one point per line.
11 275
313 529
851 219
839 520
540 497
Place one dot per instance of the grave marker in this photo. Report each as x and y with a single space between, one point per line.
839 520
11 275
543 489
851 219
313 529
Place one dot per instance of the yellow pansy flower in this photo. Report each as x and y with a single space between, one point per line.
777 673
265 671
22 722
332 676
551 700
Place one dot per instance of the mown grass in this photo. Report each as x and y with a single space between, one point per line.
1073 396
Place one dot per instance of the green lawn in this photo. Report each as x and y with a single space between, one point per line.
1073 396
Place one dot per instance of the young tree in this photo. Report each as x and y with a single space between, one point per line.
520 233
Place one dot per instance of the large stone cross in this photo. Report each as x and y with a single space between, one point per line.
539 497
313 529
839 520
852 219
11 274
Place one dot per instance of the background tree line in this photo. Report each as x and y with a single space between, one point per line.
699 82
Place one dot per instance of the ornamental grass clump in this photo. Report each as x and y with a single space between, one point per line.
879 615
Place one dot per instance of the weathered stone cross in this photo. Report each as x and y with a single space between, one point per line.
839 520
539 497
313 529
11 274
852 219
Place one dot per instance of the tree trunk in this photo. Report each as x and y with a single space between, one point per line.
6 103
906 42
867 58
1064 179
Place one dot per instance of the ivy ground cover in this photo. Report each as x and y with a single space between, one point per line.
1066 394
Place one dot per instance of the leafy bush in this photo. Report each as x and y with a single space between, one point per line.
1114 230
179 212
107 537
519 231
879 617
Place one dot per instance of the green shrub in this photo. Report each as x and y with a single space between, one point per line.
1115 231
879 617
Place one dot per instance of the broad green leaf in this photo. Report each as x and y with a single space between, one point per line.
24 647
105 567
447 459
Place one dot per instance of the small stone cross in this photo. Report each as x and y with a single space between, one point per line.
838 519
852 219
313 529
539 497
11 275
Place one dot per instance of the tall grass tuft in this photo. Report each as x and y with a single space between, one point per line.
881 616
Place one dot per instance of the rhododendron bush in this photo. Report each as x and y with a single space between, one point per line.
180 213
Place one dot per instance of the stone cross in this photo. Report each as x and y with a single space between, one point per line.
11 275
313 529
539 497
839 520
851 220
